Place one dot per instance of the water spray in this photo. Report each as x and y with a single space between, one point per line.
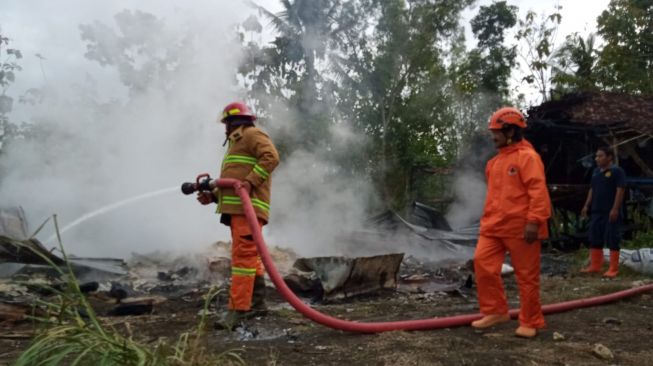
112 207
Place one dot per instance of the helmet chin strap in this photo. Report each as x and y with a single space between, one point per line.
514 137
504 131
234 124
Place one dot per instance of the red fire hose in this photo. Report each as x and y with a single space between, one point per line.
421 324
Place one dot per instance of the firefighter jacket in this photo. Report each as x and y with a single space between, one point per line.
516 193
251 156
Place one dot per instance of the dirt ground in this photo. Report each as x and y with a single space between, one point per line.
284 337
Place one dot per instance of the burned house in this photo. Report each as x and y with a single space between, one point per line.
567 132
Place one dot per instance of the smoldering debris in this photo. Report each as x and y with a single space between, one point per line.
345 277
325 279
436 257
145 281
435 264
136 306
117 287
418 276
12 313
423 233
150 280
13 222
25 257
29 251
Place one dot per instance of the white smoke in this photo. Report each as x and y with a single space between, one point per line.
312 204
469 188
105 144
313 200
468 185
102 144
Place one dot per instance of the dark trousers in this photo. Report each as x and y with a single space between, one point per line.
604 233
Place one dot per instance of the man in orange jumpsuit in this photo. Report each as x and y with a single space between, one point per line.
514 220
251 157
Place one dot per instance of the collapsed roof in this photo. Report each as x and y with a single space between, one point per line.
566 133
614 113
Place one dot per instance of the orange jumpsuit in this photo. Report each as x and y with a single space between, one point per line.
516 195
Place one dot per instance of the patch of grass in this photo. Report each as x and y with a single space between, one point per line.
627 273
189 349
72 334
580 258
273 357
642 239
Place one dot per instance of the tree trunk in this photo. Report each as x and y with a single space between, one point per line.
387 194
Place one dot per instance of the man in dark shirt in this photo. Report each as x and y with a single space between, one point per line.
604 205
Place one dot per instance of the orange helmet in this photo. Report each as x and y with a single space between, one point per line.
507 116
237 109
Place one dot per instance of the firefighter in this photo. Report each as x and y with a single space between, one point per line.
251 157
604 201
514 220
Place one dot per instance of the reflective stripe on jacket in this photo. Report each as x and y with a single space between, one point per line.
251 156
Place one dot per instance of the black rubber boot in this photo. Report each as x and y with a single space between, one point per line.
258 297
230 319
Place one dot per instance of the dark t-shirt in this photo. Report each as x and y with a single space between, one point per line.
604 188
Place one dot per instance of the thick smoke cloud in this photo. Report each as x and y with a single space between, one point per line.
101 143
117 131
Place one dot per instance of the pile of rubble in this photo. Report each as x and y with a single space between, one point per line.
137 286
28 270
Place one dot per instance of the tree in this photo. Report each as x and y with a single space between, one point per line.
380 67
8 67
290 71
489 27
394 83
537 40
574 65
626 61
392 70
481 76
141 49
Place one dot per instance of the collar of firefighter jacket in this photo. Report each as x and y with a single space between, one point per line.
516 146
236 134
